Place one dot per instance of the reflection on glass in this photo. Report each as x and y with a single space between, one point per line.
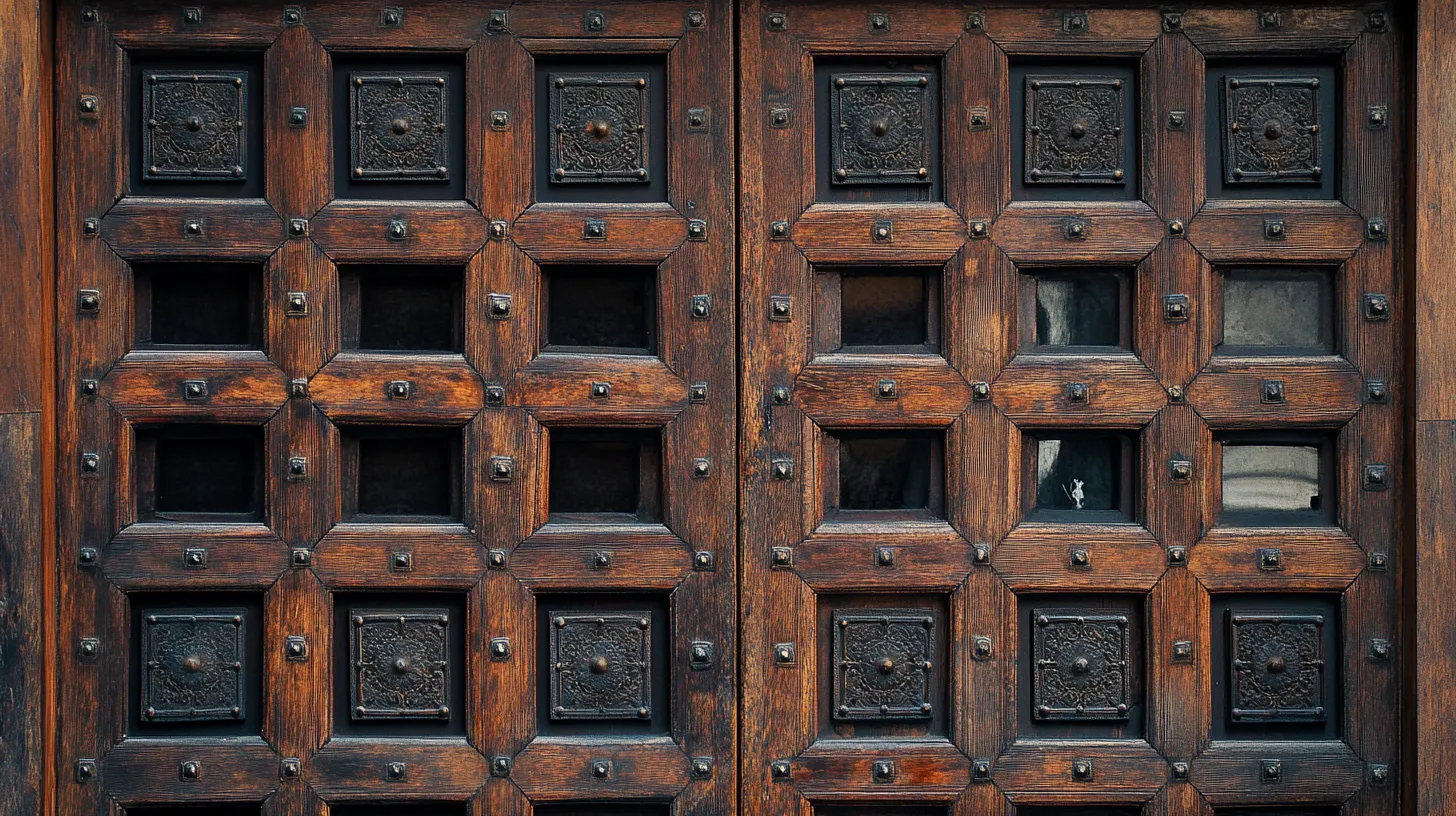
1077 311
1270 478
1277 308
1079 473
882 310
883 472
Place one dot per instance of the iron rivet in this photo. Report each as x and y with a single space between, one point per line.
697 230
1379 650
702 306
779 230
596 22
1180 470
193 228
499 305
292 15
297 304
1271 771
1379 561
290 768
85 771
298 389
391 17
1175 308
1074 22
884 556
1274 230
1377 117
780 395
601 768
696 19
395 771
783 469
500 648
502 468
778 21
1377 477
90 16
1180 771
1080 558
89 105
1075 230
88 556
302 556
496 559
1270 559
601 559
783 654
979 229
1082 770
1177 556
1271 391
295 647
194 558
702 467
1269 20
497 22
1182 651
1376 229
887 389
882 232
702 767
90 226
192 15
193 390
398 230
779 118
1377 21
781 557
1077 393
90 462
500 767
594 228
883 770
190 770
1379 774
499 230
780 308
1172 21
400 389
1176 227
499 120
879 22
601 390
697 118
981 647
1177 119
980 391
90 647
980 554
1377 307
1175 393
297 227
89 387
1376 391
495 394
980 117
981 770
89 300
779 769
976 21
402 561
703 561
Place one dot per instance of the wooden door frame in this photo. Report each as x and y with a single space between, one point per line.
28 770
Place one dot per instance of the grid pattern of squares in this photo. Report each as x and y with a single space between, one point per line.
386 604
1077 142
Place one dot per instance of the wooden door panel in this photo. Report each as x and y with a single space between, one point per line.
1123 648
319 568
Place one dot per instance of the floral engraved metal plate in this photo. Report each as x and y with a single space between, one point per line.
193 666
1081 666
1074 130
1271 130
879 128
194 127
399 127
1278 668
883 664
598 127
601 665
400 662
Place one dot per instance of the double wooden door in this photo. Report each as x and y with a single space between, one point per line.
697 408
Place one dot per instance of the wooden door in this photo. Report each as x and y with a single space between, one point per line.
398 392
1072 386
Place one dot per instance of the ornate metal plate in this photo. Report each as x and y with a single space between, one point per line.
193 666
1081 666
400 663
601 665
1074 130
883 664
880 128
194 127
598 127
400 124
1278 668
1272 130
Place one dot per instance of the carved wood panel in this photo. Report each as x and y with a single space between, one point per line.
1130 409
357 412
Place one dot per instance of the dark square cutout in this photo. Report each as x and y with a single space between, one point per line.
410 808
1105 633
1276 478
184 127
1276 311
1079 810
896 474
594 309
604 809
420 657
1081 135
602 136
401 308
872 116
199 473
196 810
605 475
1279 128
1101 464
404 131
216 306
869 628
1278 680
880 810
1071 311
214 639
1278 810
618 647
877 310
401 474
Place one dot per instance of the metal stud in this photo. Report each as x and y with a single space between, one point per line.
1377 21
1075 22
191 15
1175 393
399 389
1180 470
601 559
1080 558
696 19
1377 391
980 117
1271 771
88 301
784 654
292 15
779 769
88 557
290 768
1377 117
498 21
194 558
703 561
700 655
980 229
499 230
879 22
702 307
297 227
1175 308
89 106
779 118
296 304
981 647
601 390
193 228
502 468
301 557
90 463
403 561
90 226
295 647
980 554
1078 393
781 557
697 230
190 770
496 560
1379 774
1270 559
495 395
697 118
701 768
779 231
396 771
1179 771
498 305
500 767
780 308
887 389
1274 229
1377 307
1271 391
90 16
1379 650
1075 229
782 469
298 117
595 22
884 556
883 771
85 772
1177 119
90 387
777 21
1182 651
1176 227
980 391
1379 561
391 18
1177 556
698 392
780 395
500 648
89 647
702 467
1376 477
298 389
976 21
500 120
194 390
397 230
882 232
1269 20
1082 770
1376 229
594 229
1172 21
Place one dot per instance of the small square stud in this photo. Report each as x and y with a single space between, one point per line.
1182 651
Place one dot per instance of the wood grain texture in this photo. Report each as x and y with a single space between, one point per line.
355 231
22 545
561 768
356 387
192 229
634 233
1311 772
849 233
1122 392
1040 233
843 390
1317 392
1313 231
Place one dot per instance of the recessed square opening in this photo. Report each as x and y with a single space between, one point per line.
880 666
401 474
199 473
876 129
1278 810
1080 666
602 661
1277 667
600 309
605 475
1277 311
1079 810
895 474
880 810
402 808
195 665
401 308
1075 310
877 310
399 659
1277 479
1080 476
615 808
195 810
191 306
1074 130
